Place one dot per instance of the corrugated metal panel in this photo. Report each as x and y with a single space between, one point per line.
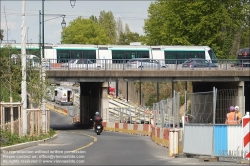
198 139
220 140
235 140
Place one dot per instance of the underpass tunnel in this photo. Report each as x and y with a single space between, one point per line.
228 94
93 98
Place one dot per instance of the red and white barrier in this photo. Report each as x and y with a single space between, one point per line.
161 136
246 135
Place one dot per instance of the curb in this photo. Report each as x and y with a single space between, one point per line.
243 161
27 144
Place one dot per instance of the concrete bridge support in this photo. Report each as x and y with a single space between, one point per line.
93 98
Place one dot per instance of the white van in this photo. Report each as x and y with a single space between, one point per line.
63 96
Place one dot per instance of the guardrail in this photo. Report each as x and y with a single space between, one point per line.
122 64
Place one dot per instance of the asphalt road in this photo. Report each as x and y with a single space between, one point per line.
76 145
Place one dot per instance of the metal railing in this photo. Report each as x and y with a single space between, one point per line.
122 64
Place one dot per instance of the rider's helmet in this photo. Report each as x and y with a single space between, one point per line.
97 113
232 108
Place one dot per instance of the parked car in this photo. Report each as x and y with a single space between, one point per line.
244 54
198 62
243 58
145 63
81 64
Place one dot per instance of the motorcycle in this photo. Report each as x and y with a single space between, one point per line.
98 128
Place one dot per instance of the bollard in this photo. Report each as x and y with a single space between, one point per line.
171 140
176 141
246 135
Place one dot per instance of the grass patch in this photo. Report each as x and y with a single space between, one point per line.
7 139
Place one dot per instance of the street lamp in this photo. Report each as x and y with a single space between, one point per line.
72 3
41 22
63 24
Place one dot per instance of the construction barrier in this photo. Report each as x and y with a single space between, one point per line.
246 135
220 140
161 136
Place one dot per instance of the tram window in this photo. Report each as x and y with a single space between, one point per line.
63 56
76 54
142 54
170 57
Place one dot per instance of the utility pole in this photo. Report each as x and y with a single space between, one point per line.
24 88
43 75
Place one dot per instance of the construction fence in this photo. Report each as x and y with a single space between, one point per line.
205 131
161 123
162 114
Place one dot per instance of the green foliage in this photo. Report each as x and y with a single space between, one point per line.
8 139
127 38
10 75
217 24
94 18
1 34
108 23
151 99
165 91
84 31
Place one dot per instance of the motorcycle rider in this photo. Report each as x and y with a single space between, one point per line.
97 120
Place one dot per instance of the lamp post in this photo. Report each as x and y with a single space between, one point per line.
63 24
72 3
41 22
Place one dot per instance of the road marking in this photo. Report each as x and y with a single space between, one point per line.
95 139
91 143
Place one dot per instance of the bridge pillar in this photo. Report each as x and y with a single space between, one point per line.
241 96
104 107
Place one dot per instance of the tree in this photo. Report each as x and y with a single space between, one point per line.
214 23
1 34
119 28
10 75
127 38
84 31
127 29
94 18
107 21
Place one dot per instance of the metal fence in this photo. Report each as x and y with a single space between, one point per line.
165 113
121 64
205 132
212 107
200 107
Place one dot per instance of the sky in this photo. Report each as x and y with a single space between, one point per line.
131 12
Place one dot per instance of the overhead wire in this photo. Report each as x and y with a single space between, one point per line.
73 16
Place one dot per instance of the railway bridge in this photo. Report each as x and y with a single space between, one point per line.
94 83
